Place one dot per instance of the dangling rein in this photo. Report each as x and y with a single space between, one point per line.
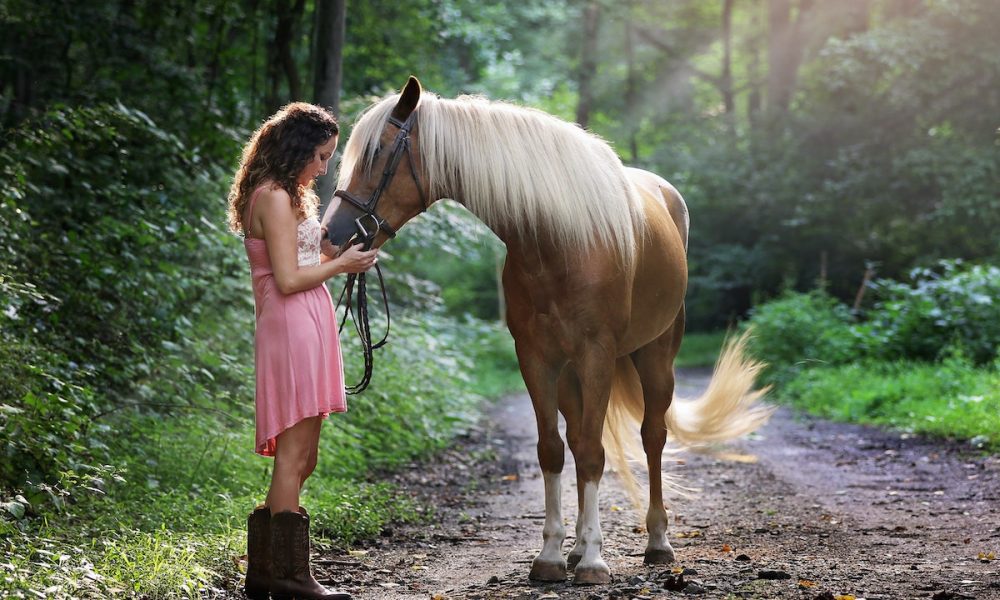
361 324
375 224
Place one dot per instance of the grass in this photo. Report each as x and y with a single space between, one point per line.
168 519
951 399
700 349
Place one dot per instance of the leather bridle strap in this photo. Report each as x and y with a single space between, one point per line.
375 223
370 217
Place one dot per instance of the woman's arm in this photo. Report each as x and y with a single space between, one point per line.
280 228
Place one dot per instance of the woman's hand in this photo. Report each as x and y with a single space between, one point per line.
356 260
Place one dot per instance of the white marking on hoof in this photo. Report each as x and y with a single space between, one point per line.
658 550
549 564
591 568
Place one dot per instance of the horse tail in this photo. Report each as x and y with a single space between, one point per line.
729 408
625 410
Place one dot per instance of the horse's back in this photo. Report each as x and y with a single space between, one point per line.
659 188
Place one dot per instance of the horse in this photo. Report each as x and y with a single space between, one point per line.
594 282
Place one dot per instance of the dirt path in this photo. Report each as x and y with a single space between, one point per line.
805 509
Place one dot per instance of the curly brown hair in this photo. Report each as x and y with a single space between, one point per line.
277 152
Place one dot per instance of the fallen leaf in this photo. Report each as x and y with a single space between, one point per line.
806 584
689 534
509 478
727 548
357 552
616 508
844 597
987 556
740 458
677 570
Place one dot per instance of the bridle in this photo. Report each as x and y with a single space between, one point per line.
376 223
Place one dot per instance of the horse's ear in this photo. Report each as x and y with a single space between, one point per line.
407 99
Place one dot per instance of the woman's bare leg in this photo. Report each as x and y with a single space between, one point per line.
311 461
295 445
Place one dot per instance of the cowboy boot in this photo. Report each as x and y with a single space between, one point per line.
291 575
258 579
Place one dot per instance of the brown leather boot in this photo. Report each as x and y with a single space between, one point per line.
291 575
258 580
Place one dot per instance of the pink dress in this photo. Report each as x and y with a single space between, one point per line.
296 346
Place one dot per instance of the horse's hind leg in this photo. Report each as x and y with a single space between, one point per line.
655 365
540 379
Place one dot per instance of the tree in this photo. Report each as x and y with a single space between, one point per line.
328 69
786 45
588 61
280 60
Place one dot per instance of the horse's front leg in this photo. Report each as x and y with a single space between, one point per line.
540 379
584 427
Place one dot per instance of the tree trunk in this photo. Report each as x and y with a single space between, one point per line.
786 42
903 8
218 29
727 59
753 65
327 75
858 17
255 46
287 23
631 92
588 61
280 60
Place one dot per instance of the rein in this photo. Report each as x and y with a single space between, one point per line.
367 235
361 323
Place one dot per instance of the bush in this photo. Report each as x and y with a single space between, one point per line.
951 305
108 254
951 398
799 330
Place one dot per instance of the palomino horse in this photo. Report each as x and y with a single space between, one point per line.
594 280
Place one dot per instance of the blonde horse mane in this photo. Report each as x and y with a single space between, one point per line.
516 168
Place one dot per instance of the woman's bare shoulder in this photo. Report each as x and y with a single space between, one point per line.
274 198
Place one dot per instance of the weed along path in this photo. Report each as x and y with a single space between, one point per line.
806 509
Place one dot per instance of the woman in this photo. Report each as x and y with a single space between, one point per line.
299 373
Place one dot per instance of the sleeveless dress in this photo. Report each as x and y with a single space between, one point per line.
299 370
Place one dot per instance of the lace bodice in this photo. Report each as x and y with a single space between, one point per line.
309 234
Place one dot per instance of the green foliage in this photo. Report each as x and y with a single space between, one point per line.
107 262
169 517
700 350
446 259
923 359
953 305
797 331
951 398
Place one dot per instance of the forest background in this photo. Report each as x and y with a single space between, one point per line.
839 159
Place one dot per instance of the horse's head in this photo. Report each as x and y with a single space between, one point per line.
386 191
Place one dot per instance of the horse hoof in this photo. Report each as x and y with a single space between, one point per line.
659 557
572 560
591 576
547 571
